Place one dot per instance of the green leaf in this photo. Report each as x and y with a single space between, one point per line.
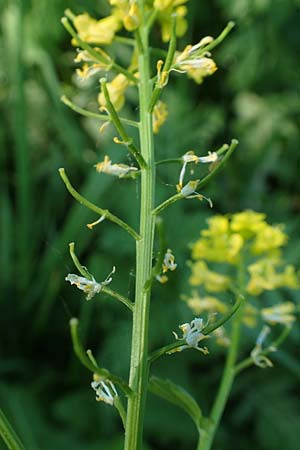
175 394
8 434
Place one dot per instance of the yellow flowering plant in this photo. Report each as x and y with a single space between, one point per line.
241 254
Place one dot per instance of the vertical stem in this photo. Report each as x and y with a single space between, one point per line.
207 436
138 379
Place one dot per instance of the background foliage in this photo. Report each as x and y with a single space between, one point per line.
254 96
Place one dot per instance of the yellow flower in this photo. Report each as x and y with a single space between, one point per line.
127 11
166 8
248 223
216 225
212 281
116 89
165 4
96 31
206 303
268 238
263 276
159 115
219 248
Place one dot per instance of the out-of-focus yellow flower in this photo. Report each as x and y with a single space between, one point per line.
207 303
212 281
127 11
116 89
283 313
166 8
218 248
248 223
159 115
268 238
96 31
263 276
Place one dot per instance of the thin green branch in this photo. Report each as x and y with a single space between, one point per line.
219 152
202 182
93 115
87 362
119 297
271 348
219 165
8 434
212 327
85 273
167 203
221 37
206 331
156 270
113 66
102 212
160 84
119 127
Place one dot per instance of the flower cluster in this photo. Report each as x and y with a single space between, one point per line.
244 240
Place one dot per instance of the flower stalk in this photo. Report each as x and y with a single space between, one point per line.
138 380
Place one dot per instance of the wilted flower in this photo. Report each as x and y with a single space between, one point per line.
90 287
118 170
105 390
258 358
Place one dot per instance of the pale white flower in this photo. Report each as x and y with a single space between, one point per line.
105 390
282 313
90 287
192 334
169 261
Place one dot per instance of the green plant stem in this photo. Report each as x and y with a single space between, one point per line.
9 435
93 115
207 435
102 212
119 127
138 380
206 438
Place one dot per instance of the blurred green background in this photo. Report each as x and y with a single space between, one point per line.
254 96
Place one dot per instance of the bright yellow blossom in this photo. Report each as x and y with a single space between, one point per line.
116 89
96 31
